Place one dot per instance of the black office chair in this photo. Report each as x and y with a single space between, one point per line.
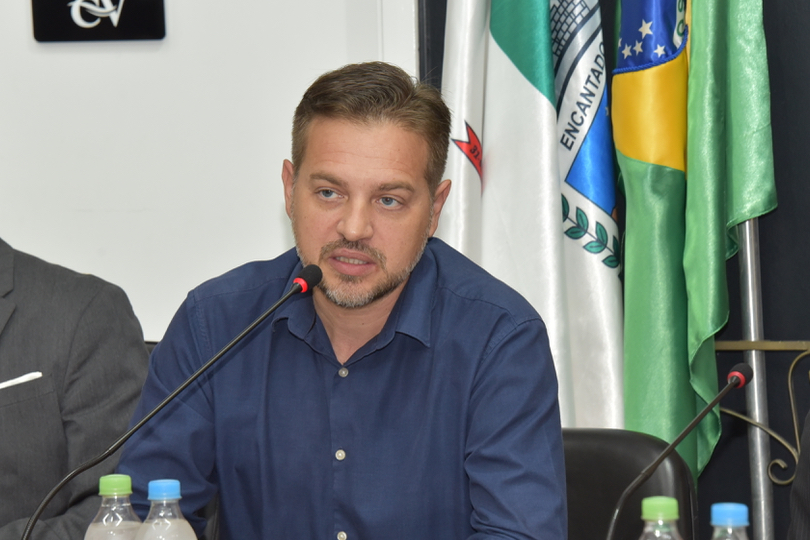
601 463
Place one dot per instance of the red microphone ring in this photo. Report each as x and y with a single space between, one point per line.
302 283
740 376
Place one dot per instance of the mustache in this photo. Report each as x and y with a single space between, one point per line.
377 255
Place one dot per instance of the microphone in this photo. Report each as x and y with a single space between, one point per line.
739 376
308 277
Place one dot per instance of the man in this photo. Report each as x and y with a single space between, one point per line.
72 362
411 395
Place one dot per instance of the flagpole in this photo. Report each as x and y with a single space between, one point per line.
756 392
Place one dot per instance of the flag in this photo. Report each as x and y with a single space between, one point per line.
691 122
588 185
515 167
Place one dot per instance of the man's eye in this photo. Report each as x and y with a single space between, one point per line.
388 201
327 193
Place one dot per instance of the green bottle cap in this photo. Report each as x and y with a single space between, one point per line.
114 484
659 509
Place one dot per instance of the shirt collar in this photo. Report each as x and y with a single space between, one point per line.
410 316
412 312
298 310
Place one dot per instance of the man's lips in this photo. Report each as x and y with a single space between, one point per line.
351 262
352 256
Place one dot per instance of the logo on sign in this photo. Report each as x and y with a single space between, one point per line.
95 10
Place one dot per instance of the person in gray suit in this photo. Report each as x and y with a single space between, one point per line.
72 364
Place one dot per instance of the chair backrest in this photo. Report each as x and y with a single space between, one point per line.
601 463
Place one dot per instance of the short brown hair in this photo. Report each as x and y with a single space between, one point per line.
377 92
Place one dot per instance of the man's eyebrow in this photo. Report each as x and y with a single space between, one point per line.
328 178
385 186
391 186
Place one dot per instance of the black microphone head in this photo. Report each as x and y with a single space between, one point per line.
309 277
743 372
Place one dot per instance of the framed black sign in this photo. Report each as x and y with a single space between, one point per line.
98 20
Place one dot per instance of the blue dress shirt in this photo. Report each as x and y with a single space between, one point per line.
445 426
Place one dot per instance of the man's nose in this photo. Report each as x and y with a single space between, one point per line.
356 222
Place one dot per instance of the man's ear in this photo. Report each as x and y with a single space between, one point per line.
288 177
439 198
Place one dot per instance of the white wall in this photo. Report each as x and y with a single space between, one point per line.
156 164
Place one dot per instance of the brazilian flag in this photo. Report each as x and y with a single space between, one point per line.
691 123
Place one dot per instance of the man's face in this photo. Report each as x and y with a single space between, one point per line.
361 208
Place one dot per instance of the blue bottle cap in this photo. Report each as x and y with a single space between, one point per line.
164 489
729 515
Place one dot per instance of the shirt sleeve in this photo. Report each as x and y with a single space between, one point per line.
102 381
514 452
154 451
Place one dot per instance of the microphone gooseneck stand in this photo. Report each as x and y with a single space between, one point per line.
738 377
307 278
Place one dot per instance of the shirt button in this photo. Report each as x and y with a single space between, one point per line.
340 455
342 536
343 372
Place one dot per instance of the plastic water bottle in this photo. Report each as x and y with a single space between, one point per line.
165 520
660 515
115 519
729 521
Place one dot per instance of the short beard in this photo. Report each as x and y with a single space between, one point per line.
343 296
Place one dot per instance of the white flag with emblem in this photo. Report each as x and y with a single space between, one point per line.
533 195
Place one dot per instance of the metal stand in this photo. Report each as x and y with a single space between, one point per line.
756 392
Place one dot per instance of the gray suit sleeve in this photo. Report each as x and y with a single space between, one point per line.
97 392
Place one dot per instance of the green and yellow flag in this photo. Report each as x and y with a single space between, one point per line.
691 121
